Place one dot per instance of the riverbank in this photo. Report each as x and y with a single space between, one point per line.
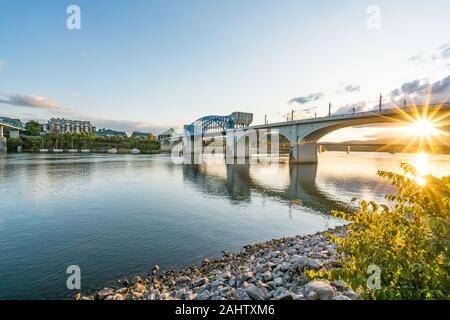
262 271
82 141
103 151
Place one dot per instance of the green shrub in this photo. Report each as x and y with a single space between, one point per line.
408 239
12 144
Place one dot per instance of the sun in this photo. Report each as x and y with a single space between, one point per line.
422 128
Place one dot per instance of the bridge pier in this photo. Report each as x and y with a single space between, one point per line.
304 152
2 140
242 148
165 146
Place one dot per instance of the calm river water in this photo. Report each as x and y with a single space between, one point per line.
117 215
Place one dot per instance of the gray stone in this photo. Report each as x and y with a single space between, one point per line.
284 267
351 294
138 287
254 292
200 281
312 295
182 279
339 285
241 294
102 294
278 281
341 297
190 296
122 290
267 276
282 294
302 262
136 279
247 276
204 295
155 269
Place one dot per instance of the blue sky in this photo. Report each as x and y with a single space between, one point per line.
155 64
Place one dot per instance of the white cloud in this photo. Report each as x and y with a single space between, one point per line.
42 103
306 99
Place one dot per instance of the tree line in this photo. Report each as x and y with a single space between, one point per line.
32 141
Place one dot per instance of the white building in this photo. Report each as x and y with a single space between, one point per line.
72 126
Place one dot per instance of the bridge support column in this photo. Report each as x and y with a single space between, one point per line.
2 140
242 148
165 146
192 149
14 134
304 152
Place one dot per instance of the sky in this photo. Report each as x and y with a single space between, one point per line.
150 65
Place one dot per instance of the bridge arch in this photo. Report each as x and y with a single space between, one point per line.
259 141
315 133
308 134
210 123
165 145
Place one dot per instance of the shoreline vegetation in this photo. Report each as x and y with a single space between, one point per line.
399 250
79 141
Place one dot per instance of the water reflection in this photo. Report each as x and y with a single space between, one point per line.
238 184
116 215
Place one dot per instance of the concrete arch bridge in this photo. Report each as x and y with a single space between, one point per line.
302 135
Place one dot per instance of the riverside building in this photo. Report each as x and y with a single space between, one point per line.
64 125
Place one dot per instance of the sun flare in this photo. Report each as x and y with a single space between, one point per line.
422 128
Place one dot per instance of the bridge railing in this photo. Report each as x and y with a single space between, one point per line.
374 112
7 122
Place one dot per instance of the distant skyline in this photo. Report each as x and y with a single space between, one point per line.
151 65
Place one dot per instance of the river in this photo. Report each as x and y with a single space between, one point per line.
117 215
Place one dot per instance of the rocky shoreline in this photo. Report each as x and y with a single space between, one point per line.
263 271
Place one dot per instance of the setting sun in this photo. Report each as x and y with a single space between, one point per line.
422 128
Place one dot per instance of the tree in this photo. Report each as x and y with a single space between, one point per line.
32 128
13 143
408 240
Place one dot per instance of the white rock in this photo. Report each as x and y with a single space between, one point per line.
324 290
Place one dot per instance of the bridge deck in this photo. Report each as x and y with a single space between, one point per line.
375 113
10 126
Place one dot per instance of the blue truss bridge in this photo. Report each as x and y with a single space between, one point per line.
216 123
